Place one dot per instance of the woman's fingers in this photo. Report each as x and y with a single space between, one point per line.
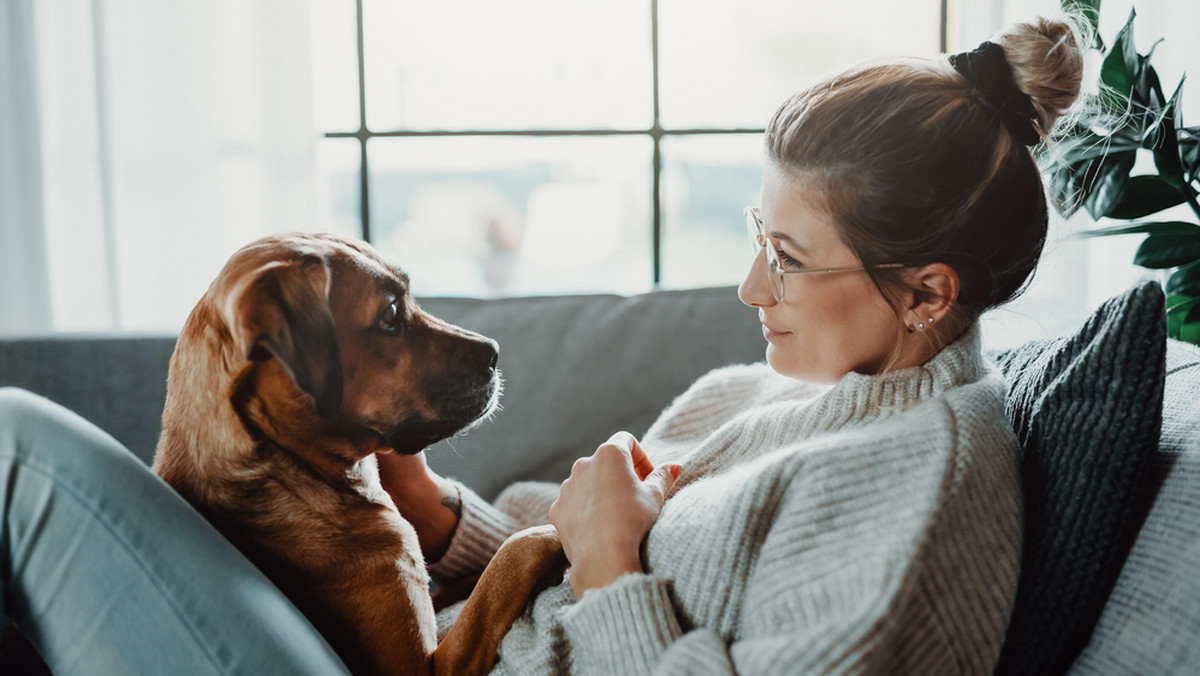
631 449
660 481
641 464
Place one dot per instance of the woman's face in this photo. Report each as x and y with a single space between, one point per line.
827 324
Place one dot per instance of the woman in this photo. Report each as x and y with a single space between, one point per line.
852 505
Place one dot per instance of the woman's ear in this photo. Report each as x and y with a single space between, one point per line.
934 290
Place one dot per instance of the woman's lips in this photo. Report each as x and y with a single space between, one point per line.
772 334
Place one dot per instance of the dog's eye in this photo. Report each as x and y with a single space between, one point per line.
390 317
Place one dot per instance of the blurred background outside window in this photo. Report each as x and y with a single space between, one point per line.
490 147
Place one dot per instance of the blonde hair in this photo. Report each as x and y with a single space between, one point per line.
916 167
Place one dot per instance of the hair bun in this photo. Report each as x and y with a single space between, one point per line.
1047 66
986 69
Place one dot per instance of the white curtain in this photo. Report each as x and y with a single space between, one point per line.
24 299
144 141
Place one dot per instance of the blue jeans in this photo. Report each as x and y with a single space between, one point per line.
108 571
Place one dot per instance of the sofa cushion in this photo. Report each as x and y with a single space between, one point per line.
561 398
1086 409
117 381
1152 619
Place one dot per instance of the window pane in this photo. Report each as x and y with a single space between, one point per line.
508 216
481 64
333 30
732 64
706 182
339 194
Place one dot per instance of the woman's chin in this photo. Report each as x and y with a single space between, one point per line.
784 363
778 360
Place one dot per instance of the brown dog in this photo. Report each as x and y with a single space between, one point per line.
305 357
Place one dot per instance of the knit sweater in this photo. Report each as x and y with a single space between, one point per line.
869 527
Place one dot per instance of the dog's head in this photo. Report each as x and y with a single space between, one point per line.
325 339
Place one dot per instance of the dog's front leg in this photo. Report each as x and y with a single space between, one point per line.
529 560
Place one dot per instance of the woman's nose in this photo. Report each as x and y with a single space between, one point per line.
755 289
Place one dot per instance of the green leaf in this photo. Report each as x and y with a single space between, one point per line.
1063 192
1180 303
1091 146
1153 228
1193 307
1104 181
1168 251
1189 152
1145 195
1119 68
1166 143
1183 318
1147 95
1088 161
1179 308
1189 333
1185 280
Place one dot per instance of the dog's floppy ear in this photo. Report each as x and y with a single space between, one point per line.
282 312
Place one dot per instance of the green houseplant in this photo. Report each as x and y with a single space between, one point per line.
1093 166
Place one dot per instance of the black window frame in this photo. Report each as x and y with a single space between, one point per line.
656 132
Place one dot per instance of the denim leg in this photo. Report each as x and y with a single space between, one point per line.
108 571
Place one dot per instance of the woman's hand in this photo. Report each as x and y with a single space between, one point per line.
605 509
429 502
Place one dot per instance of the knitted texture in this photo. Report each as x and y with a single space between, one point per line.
1087 411
1152 619
872 526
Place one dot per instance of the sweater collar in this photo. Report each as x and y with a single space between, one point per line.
958 363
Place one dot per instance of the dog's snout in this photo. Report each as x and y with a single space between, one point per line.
482 354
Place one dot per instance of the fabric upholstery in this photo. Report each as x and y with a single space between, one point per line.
663 341
552 356
118 383
1086 409
1151 622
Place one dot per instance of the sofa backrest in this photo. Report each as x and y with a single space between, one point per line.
579 368
117 382
576 369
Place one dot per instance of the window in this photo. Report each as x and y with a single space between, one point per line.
492 147
541 146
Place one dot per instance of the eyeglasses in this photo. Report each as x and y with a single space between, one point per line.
775 272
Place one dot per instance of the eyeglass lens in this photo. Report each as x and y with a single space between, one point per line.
758 239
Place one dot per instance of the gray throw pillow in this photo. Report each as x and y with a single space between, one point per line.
1087 411
1152 619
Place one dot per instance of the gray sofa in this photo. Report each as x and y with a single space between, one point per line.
578 368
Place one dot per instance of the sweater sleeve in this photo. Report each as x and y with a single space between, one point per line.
483 527
712 399
882 556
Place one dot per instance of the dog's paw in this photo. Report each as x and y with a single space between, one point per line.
538 551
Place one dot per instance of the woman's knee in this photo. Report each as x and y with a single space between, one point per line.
33 426
20 409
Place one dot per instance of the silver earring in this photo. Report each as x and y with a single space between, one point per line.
920 325
931 320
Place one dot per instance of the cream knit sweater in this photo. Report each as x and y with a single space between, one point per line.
869 527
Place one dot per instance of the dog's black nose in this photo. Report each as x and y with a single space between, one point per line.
482 354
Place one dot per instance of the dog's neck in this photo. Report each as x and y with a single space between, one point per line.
210 384
333 448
